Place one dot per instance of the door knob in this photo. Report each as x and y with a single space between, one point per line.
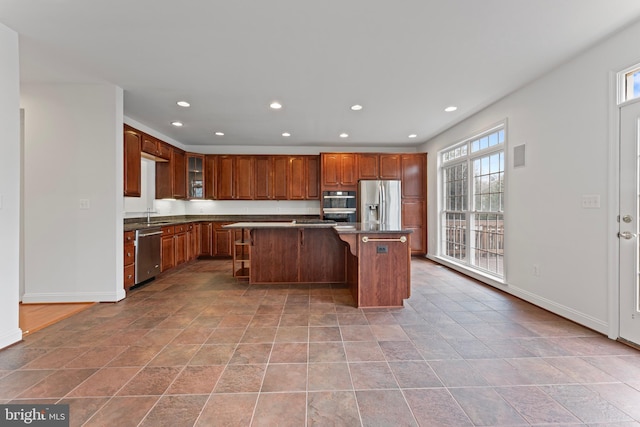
627 218
626 235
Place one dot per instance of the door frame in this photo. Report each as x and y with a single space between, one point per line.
613 208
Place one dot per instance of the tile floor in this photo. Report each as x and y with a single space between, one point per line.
195 347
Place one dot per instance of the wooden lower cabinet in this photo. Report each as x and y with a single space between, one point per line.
307 255
129 259
193 241
222 240
180 244
168 251
413 218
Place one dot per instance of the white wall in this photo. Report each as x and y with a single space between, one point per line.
563 118
73 152
9 187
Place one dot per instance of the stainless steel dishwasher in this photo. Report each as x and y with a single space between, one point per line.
148 253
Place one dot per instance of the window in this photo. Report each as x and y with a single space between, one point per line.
629 84
472 209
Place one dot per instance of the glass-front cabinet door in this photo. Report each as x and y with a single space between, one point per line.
195 176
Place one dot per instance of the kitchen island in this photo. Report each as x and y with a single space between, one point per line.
373 261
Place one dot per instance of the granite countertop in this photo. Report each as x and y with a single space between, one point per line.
340 227
132 224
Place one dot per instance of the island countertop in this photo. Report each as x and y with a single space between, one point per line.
340 227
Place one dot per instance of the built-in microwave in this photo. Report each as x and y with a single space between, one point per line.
339 206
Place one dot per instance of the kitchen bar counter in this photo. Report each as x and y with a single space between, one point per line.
373 261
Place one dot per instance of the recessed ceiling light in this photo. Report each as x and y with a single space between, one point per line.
286 134
275 105
176 124
344 135
219 133
451 108
356 107
413 135
183 104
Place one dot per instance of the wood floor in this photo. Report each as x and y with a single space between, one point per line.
34 317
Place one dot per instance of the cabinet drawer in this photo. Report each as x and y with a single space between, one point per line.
168 230
129 253
129 276
129 237
180 228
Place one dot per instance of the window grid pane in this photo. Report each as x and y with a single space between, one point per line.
472 230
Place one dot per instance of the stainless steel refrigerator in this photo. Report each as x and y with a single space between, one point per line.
379 204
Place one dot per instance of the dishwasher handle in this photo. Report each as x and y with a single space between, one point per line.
154 233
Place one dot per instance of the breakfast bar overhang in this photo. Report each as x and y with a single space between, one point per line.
374 262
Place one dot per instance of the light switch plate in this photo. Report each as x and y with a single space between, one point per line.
85 204
590 201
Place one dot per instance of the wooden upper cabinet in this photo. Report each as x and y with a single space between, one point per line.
379 166
155 148
132 162
263 177
312 170
209 176
414 169
368 166
224 173
304 178
389 166
339 171
244 177
297 178
195 176
280 177
171 182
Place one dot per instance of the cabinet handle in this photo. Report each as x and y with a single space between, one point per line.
129 276
128 254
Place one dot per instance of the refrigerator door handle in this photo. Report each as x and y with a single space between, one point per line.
383 205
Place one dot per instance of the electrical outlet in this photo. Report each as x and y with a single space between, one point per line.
536 270
85 204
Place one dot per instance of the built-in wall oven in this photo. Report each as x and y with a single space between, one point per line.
339 206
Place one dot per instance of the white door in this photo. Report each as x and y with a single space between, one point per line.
629 222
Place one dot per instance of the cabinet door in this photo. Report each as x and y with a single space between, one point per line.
209 177
414 176
263 184
180 247
414 218
243 172
389 166
280 177
179 175
224 174
195 176
195 241
206 236
312 177
297 181
149 145
331 169
368 166
167 253
132 162
348 169
222 240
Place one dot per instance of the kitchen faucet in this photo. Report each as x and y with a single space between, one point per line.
148 215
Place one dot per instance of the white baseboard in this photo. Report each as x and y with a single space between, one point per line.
10 337
54 297
552 306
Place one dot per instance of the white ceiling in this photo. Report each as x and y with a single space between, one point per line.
403 60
